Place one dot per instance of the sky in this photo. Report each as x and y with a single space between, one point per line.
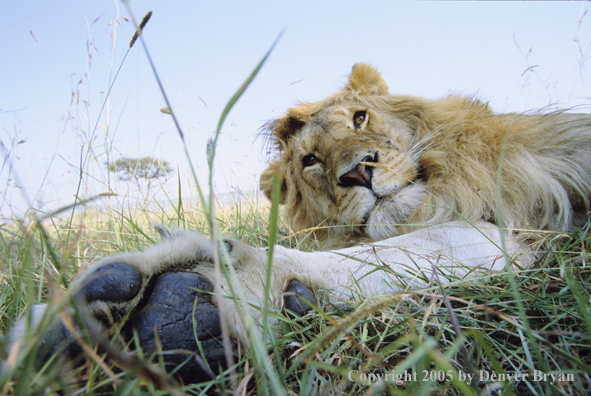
58 60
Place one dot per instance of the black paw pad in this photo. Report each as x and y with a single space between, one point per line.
180 314
296 297
115 282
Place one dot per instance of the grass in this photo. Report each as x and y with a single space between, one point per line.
527 333
410 338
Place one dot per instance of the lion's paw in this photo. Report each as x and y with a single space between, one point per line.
164 307
161 300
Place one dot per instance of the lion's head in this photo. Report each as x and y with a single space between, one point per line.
347 164
363 162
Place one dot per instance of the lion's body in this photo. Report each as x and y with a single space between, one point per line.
545 163
426 162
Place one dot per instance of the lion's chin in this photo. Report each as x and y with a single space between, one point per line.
391 211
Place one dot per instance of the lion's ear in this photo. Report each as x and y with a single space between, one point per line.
286 126
164 232
365 80
266 181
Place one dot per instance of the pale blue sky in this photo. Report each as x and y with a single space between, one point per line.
516 56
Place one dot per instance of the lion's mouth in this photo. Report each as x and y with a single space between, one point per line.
393 200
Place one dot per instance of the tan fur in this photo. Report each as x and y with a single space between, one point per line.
437 161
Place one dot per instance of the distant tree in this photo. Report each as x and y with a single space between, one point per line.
147 168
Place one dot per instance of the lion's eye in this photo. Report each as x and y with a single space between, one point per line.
310 160
359 118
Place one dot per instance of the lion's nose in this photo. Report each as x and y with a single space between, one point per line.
360 175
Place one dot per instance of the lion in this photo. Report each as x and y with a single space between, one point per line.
411 191
363 163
